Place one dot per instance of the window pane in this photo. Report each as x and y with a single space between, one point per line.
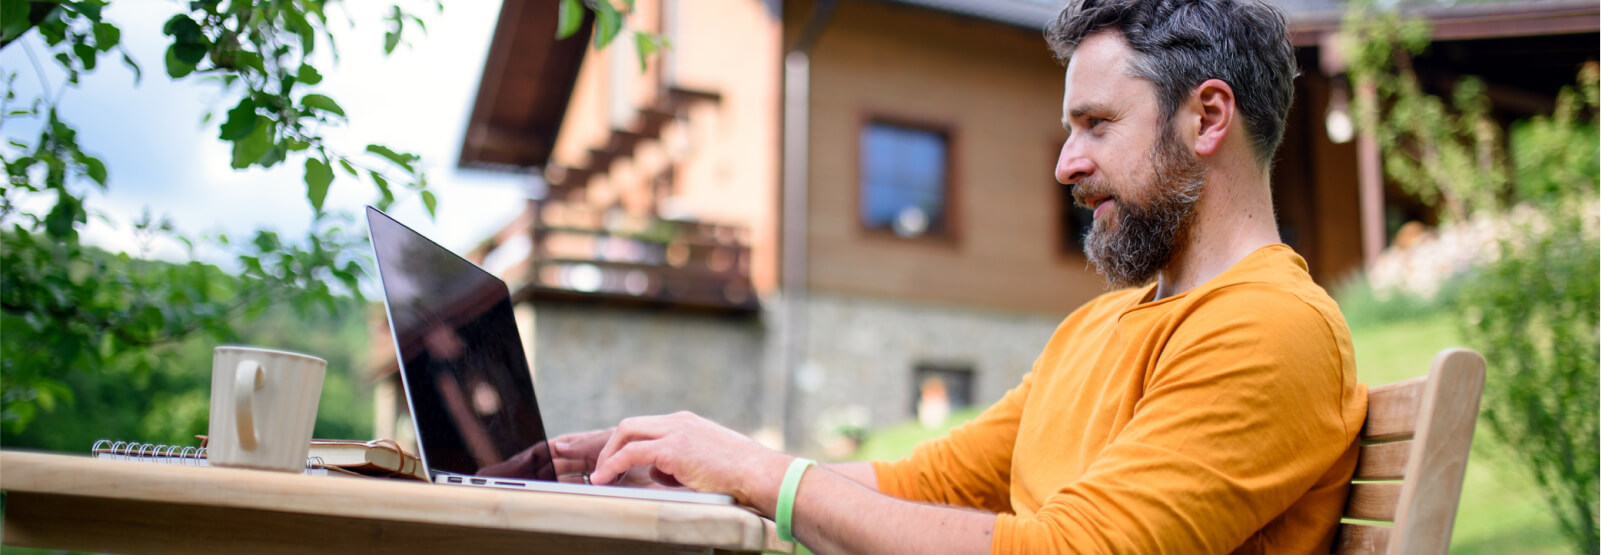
1075 220
903 179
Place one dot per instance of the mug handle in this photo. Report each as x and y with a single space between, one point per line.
247 378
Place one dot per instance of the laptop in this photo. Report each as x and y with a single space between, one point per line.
465 374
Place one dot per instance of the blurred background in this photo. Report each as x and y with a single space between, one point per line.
830 224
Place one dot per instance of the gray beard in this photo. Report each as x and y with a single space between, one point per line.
1149 234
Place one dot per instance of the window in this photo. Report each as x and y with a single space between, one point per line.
904 174
1075 221
940 389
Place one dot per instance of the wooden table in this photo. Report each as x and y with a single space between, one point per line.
79 503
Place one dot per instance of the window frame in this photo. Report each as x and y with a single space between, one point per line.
1068 248
949 233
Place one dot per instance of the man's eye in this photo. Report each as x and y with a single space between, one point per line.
1096 122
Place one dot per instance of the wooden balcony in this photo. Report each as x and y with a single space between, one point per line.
633 261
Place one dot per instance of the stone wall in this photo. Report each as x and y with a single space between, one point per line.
595 365
861 354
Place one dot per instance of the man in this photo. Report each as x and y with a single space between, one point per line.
1212 411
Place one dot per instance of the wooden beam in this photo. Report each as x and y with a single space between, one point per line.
1475 21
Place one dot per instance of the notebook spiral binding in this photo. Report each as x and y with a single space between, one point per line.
152 452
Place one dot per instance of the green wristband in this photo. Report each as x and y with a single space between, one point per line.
786 496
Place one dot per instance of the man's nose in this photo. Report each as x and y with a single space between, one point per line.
1073 165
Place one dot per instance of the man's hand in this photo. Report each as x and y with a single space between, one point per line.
683 449
575 456
834 512
532 463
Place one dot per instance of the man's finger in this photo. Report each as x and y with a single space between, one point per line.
635 429
635 453
570 466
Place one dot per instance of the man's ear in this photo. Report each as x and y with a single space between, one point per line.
1213 101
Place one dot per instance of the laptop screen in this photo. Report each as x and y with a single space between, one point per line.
461 360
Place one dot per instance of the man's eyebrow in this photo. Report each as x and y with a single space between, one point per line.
1080 110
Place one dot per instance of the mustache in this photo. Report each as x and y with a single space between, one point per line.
1093 186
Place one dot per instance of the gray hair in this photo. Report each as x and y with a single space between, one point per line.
1181 43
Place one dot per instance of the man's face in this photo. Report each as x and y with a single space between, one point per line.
1125 163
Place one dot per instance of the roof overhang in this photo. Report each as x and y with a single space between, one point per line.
1311 20
1472 21
527 81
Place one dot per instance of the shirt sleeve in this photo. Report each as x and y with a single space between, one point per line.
971 467
1241 415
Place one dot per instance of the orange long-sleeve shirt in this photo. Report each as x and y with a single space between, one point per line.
1223 419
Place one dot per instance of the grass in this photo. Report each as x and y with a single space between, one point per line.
897 440
1500 510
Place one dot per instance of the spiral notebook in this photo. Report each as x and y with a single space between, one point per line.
171 454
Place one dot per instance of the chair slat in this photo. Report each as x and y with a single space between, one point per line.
1383 461
1427 506
1373 501
1393 410
1361 539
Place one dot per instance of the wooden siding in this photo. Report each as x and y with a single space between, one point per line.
999 91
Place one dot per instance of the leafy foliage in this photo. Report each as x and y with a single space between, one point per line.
161 395
1534 312
73 313
608 24
1535 315
1446 154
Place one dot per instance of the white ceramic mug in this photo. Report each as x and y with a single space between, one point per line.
263 407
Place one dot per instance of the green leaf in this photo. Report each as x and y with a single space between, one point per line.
190 53
646 45
176 67
607 23
295 20
241 121
402 160
248 150
106 36
308 75
90 8
431 203
96 170
53 29
181 27
386 195
68 209
397 22
266 241
318 176
323 103
568 18
343 163
274 155
86 54
14 26
138 74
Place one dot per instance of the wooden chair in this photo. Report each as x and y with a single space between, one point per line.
1413 456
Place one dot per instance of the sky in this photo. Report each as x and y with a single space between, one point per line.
161 157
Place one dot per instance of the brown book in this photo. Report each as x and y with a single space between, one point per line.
379 457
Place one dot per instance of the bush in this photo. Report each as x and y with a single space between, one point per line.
1535 317
1532 310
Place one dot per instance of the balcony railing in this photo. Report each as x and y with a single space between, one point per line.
551 253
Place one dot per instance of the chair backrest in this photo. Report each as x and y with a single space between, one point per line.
1413 455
